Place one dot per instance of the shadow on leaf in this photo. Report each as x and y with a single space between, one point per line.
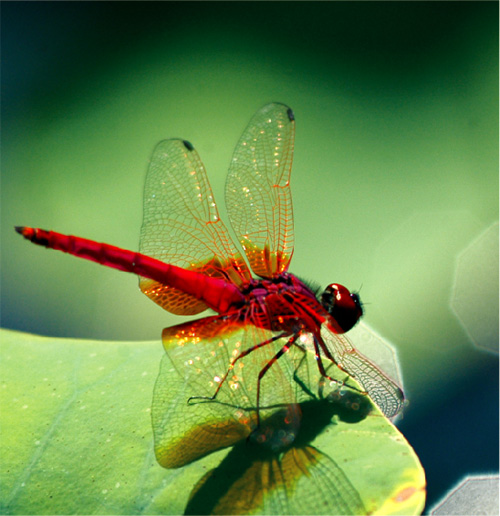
257 476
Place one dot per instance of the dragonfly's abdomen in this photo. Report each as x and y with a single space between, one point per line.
218 294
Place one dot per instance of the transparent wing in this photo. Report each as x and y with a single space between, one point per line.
181 225
198 355
258 196
381 389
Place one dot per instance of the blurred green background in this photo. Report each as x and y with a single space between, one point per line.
395 171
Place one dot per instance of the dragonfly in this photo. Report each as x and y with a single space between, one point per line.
188 263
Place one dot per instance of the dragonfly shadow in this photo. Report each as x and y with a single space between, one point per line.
287 479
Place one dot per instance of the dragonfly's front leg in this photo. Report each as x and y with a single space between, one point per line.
317 344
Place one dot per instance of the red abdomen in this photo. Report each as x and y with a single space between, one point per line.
218 294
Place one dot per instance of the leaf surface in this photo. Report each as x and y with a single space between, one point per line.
76 438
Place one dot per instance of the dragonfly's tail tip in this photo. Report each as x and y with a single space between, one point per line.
25 231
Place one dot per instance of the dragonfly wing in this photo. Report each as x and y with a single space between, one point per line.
258 196
381 389
181 225
198 355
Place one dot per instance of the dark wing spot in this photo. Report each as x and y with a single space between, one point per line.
189 146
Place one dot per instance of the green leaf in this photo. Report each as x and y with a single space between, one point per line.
76 438
76 432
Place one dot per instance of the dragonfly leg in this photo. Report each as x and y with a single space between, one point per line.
230 368
266 368
296 377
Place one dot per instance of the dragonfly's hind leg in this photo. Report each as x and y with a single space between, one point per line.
231 366
266 368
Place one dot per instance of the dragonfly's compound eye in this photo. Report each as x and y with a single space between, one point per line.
345 307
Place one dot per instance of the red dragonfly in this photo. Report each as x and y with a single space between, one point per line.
188 263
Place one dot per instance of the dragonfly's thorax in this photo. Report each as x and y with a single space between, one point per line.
279 303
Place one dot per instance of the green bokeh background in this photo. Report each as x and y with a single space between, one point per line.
395 171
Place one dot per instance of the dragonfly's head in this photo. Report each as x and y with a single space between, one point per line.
345 307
